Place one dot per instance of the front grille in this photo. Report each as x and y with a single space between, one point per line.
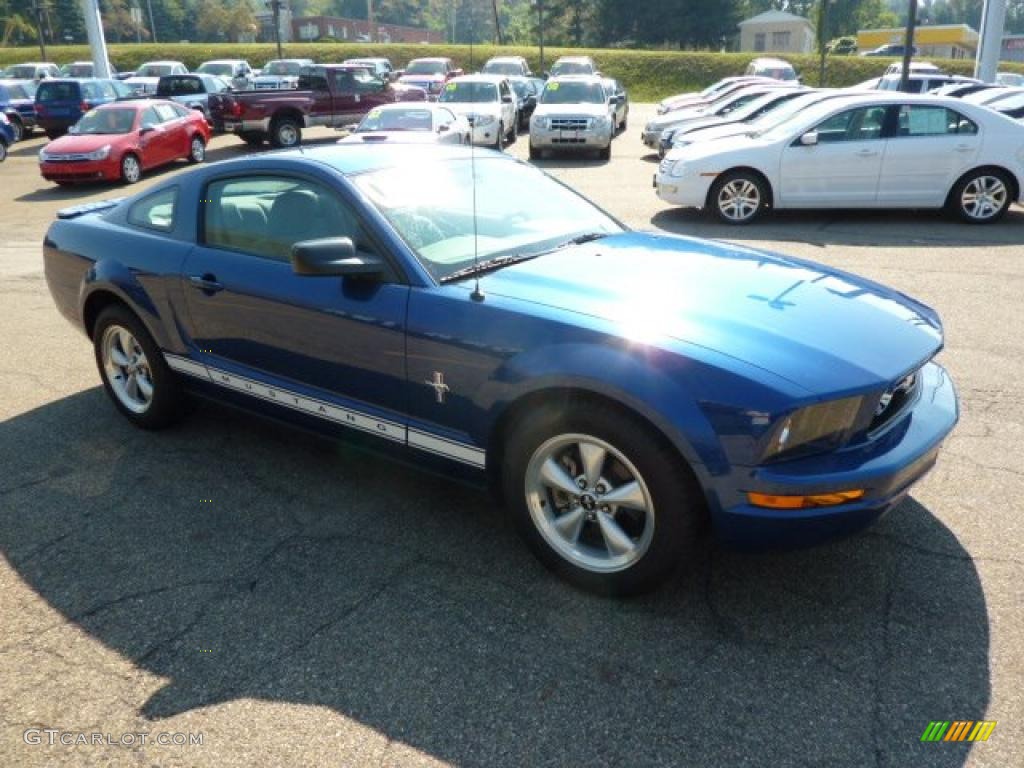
894 400
67 158
568 141
569 124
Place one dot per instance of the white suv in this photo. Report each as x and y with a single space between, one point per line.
489 105
573 114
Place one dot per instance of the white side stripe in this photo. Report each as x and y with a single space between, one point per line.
385 428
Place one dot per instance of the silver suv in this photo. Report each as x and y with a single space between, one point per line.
573 113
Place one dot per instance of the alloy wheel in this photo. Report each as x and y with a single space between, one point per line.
198 151
131 171
127 369
589 503
983 197
739 200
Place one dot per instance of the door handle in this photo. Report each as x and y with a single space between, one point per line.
206 283
964 148
867 153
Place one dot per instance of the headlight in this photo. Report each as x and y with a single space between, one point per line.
100 154
43 157
822 423
677 169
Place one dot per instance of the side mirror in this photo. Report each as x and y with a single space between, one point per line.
333 256
457 73
809 139
507 98
146 128
443 127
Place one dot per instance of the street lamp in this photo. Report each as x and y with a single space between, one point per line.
540 30
822 34
908 46
276 6
41 7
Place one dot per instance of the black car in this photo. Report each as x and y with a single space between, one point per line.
526 94
197 91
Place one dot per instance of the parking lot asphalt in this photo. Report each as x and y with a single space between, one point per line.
298 602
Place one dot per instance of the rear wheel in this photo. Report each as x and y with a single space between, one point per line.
981 196
131 169
134 373
738 197
197 149
600 500
286 132
19 130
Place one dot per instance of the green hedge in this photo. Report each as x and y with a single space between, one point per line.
649 75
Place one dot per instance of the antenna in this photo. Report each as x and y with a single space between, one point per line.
477 294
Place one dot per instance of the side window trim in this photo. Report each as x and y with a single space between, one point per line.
148 225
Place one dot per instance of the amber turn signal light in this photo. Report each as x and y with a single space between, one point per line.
804 502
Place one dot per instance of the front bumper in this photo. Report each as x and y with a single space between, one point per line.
247 126
586 139
81 170
885 467
690 189
651 137
485 135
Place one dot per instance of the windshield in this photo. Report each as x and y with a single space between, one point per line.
572 68
470 93
292 68
406 119
106 121
19 91
778 116
60 91
783 127
573 93
519 210
154 70
502 68
179 86
22 72
78 70
216 68
425 68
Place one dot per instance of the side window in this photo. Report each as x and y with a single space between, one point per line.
107 89
150 117
166 113
861 124
315 79
266 215
155 211
923 120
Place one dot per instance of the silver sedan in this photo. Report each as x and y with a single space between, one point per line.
410 123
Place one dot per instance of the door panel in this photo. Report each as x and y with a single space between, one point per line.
931 148
842 170
246 306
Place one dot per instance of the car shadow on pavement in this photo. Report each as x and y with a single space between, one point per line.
867 228
238 560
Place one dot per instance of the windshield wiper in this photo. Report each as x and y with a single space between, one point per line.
488 266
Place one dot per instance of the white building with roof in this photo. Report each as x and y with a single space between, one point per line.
777 32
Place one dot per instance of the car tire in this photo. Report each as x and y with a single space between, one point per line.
738 197
499 140
131 168
285 132
19 130
606 153
981 196
610 548
3 151
251 138
150 395
513 132
535 154
196 149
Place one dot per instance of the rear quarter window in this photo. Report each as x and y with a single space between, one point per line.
155 211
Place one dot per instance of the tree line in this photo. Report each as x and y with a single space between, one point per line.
687 24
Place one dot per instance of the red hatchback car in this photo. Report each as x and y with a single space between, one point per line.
122 139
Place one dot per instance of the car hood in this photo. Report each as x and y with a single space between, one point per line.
729 143
391 137
71 144
677 116
822 329
714 132
421 78
562 110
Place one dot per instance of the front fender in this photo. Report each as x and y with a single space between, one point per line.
651 385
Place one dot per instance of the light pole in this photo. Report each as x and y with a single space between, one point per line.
276 6
540 31
822 34
40 8
152 25
908 46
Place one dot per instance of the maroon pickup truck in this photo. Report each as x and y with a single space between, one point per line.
332 95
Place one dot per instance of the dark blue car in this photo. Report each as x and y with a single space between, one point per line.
620 389
17 101
6 136
60 103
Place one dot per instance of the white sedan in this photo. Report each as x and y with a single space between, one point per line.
407 123
884 150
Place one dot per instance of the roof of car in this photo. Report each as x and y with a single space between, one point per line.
430 58
581 59
223 61
480 77
159 62
599 79
353 159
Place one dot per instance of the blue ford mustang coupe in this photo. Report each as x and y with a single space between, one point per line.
619 389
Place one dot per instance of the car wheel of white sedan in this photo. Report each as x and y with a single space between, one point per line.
982 196
600 500
134 371
738 197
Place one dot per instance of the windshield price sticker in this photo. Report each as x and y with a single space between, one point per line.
375 112
451 86
552 86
